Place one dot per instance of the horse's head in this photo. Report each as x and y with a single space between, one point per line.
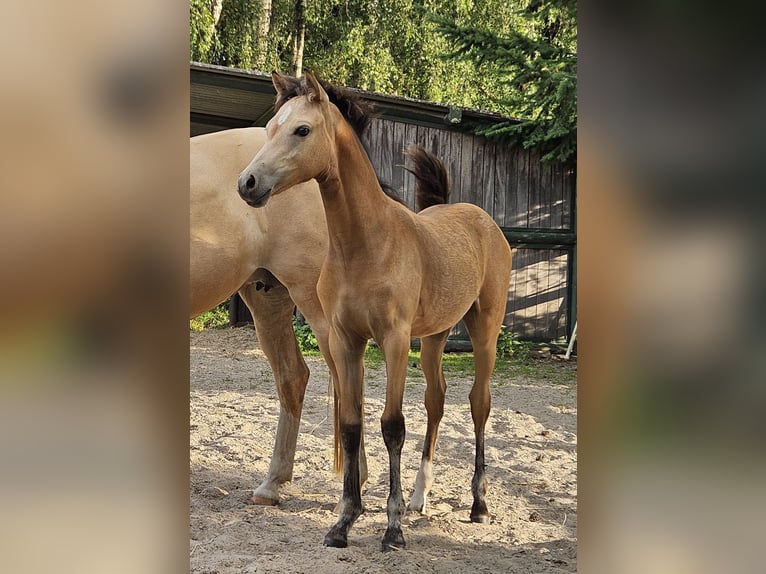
299 144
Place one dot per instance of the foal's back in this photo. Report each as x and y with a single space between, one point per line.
462 254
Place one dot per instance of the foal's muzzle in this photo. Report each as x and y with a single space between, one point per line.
249 190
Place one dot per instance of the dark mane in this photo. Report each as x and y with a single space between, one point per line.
391 192
356 111
353 108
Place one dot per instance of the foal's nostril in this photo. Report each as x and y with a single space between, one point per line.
250 183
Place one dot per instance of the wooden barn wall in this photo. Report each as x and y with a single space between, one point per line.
513 187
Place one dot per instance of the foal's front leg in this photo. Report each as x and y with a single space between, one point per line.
395 348
349 361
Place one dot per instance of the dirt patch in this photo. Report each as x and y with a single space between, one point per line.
531 470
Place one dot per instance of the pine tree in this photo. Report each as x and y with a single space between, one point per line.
537 63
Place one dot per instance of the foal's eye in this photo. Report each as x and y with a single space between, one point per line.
302 131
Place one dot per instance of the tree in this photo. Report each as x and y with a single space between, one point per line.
537 63
299 38
388 46
203 19
262 36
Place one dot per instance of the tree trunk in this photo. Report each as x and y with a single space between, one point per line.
299 35
262 40
215 7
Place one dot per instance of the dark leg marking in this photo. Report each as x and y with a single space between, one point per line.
479 511
393 435
351 500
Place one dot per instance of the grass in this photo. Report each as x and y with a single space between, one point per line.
520 365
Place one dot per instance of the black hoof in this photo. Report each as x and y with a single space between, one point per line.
335 539
480 518
479 513
393 540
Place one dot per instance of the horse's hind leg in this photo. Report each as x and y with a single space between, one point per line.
272 310
431 352
483 326
395 345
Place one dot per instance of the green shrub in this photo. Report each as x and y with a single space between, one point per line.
509 346
216 318
307 341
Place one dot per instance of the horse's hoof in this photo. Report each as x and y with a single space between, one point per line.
264 500
480 518
335 540
415 506
479 513
393 540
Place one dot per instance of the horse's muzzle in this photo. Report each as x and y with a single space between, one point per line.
250 192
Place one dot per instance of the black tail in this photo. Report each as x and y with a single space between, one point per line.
432 187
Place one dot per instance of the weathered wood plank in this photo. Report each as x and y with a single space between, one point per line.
535 218
473 194
539 238
487 186
398 144
557 197
512 200
500 193
410 137
567 184
546 194
453 165
466 167
522 188
386 134
373 144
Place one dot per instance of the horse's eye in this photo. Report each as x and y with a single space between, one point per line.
302 131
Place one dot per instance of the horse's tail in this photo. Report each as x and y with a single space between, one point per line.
432 185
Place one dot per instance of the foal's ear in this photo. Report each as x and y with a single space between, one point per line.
314 89
283 84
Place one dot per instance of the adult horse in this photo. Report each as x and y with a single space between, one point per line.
389 274
272 258
273 268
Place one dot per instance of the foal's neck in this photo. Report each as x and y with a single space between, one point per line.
355 205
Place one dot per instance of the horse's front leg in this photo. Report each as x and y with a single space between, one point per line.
305 296
272 310
395 348
348 353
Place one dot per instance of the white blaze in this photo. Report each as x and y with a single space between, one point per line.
283 116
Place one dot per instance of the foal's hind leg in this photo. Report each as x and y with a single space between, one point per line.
272 311
395 345
431 352
483 326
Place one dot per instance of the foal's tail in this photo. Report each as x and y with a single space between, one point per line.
432 186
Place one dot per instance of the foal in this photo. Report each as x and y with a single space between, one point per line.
389 274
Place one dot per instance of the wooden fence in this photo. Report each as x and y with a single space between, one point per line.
533 205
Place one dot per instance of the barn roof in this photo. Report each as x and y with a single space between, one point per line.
224 98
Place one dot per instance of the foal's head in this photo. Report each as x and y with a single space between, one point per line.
300 141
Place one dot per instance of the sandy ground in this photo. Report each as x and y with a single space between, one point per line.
531 458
